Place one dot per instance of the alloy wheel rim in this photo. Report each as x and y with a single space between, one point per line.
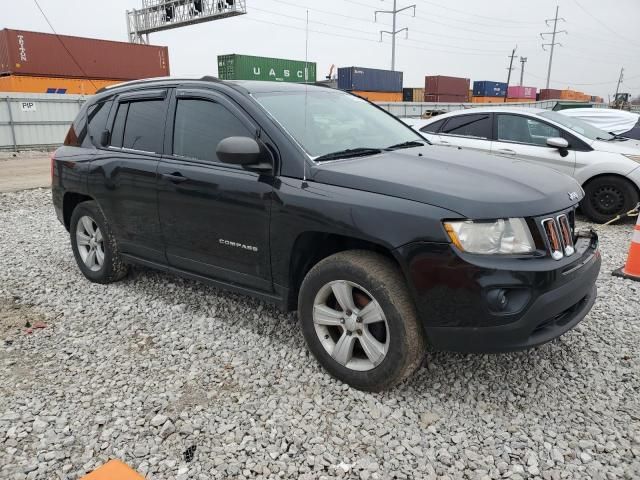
351 325
90 243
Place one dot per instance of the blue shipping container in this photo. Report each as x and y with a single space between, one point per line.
487 88
369 80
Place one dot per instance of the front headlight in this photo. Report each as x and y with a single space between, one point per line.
635 158
503 236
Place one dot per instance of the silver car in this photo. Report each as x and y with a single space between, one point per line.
607 166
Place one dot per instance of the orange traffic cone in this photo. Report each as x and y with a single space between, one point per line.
632 268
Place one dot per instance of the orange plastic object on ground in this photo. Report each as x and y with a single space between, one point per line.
114 470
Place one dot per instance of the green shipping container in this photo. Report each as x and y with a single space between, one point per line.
246 67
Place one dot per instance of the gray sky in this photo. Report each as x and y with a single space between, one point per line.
448 37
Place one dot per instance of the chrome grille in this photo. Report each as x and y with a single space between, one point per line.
566 234
553 238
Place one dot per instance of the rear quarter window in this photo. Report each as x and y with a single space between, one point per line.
78 130
97 116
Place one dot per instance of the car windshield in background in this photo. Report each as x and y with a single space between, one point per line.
578 126
325 122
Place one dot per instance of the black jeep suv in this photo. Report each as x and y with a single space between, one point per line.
319 201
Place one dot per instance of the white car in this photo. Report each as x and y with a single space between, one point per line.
619 122
607 166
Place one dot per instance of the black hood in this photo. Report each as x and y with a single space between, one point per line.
475 185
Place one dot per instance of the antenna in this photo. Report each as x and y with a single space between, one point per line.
306 89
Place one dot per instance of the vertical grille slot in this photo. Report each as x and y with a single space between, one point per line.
554 239
566 235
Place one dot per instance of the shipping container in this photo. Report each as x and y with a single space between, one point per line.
369 80
487 100
248 67
487 88
550 94
443 98
413 94
518 100
522 92
42 54
81 86
442 85
379 96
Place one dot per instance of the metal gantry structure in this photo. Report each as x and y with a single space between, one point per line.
158 15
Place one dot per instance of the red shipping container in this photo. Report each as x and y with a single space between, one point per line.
44 54
522 92
439 84
550 94
446 98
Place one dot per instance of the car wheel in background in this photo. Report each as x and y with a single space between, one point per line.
94 245
608 196
359 321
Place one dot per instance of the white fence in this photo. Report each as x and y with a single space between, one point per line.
36 120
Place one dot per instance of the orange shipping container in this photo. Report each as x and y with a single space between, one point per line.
380 96
82 86
487 100
520 100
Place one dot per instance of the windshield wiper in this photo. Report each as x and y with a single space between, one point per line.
348 153
618 137
409 144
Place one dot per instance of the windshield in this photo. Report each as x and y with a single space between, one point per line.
578 126
325 121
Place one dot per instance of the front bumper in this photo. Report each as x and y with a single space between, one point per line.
453 293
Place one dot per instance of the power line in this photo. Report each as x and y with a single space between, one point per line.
331 25
333 35
475 15
604 24
63 45
553 40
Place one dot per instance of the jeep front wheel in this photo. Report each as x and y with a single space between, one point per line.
359 321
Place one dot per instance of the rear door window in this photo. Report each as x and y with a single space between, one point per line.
144 126
473 125
433 127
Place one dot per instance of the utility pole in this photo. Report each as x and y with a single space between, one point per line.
523 60
394 32
620 78
553 40
512 56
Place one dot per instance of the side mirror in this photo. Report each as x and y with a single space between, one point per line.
557 142
238 151
104 138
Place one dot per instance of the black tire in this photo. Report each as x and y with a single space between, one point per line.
112 268
383 279
608 196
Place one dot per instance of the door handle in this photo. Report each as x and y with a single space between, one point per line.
175 177
506 150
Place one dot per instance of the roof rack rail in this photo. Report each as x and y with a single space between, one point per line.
211 78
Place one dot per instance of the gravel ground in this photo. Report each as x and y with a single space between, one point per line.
182 381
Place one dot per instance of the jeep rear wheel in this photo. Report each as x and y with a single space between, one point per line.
94 245
359 321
